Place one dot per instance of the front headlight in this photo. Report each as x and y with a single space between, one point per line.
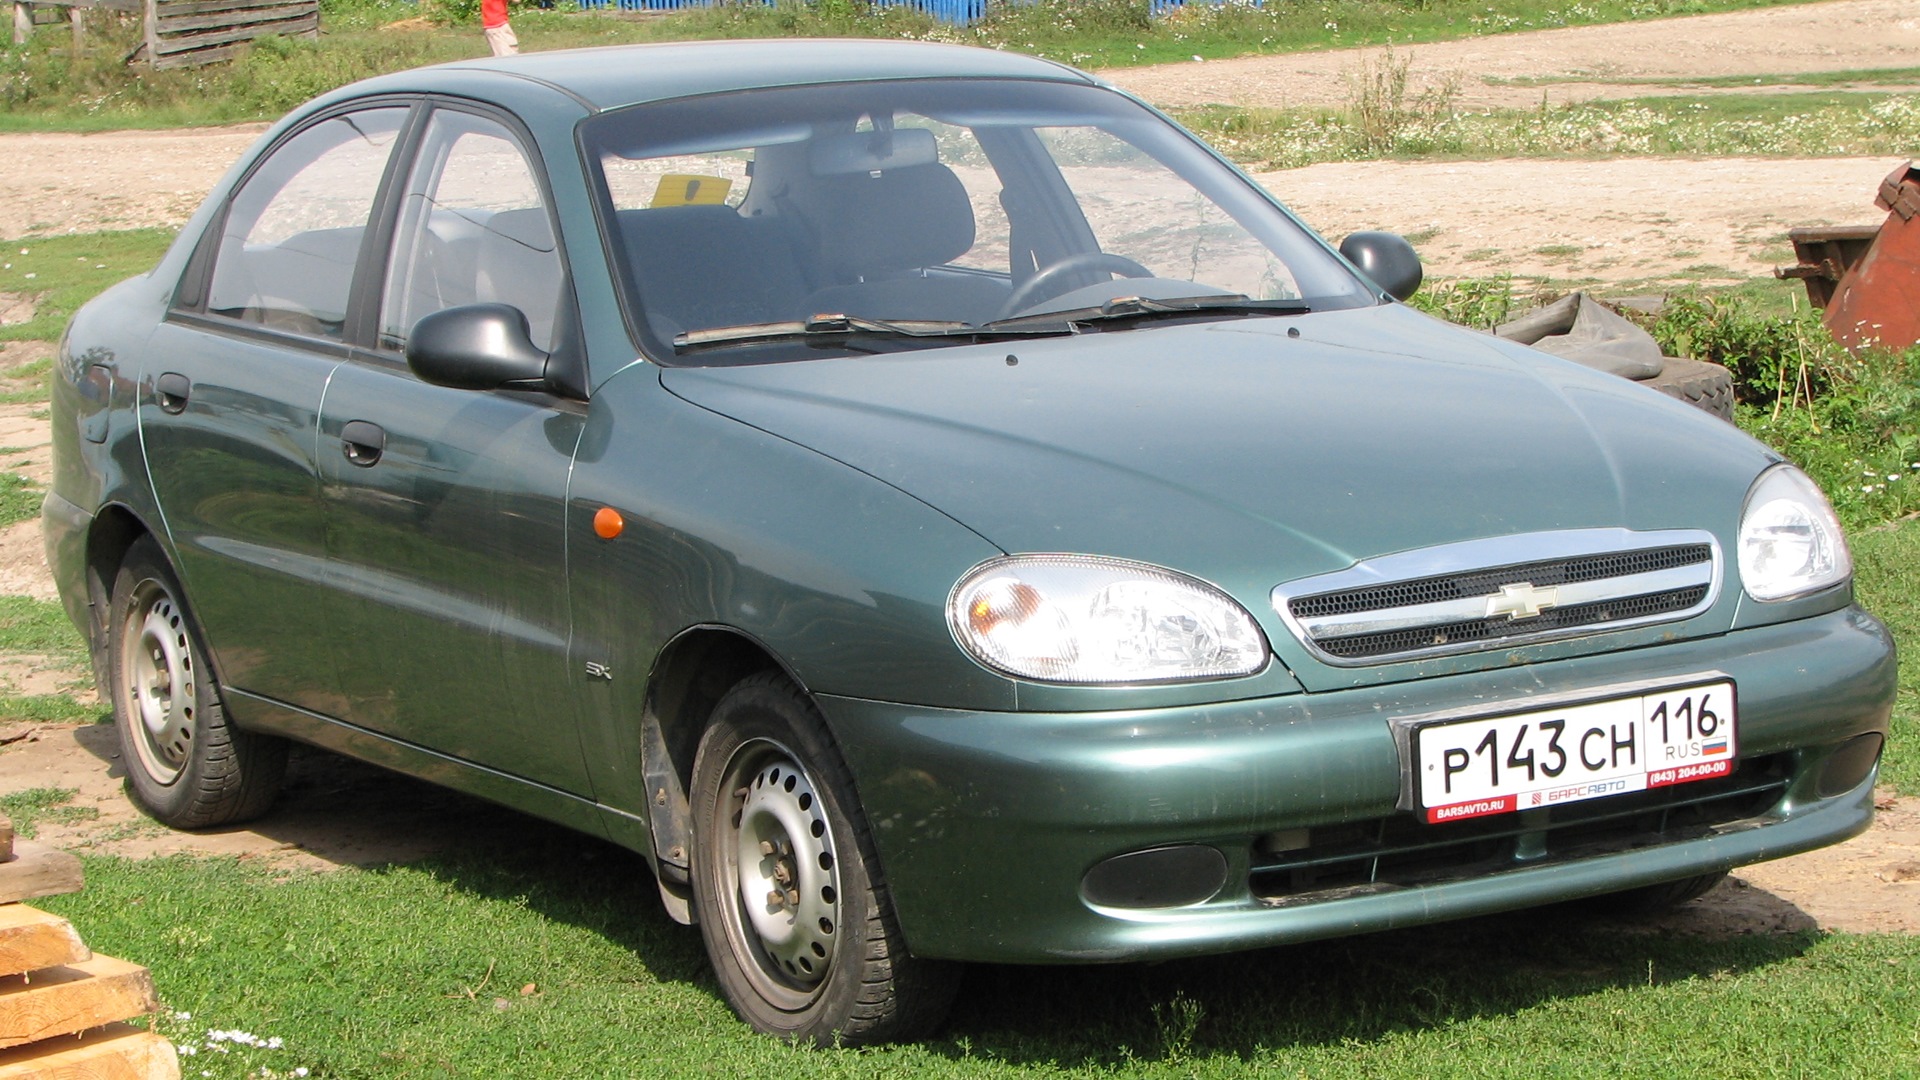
1084 619
1790 542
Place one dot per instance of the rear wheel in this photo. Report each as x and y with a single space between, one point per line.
796 918
186 765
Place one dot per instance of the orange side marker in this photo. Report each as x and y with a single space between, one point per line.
607 523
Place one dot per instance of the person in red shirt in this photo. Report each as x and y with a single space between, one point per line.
493 23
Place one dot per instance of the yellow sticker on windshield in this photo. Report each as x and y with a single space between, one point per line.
686 189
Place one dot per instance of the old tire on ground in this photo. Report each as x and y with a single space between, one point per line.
186 764
796 918
1708 387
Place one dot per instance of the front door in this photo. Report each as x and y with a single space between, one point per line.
445 508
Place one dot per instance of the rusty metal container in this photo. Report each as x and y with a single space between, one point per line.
1867 278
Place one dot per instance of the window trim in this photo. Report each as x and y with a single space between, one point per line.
566 364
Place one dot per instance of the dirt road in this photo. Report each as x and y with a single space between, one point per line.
1574 64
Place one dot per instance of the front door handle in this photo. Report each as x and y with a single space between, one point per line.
363 442
170 392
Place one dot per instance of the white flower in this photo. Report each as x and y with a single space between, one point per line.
275 1043
1893 476
188 1051
301 1071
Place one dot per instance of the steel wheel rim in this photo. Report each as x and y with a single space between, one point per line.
158 674
780 875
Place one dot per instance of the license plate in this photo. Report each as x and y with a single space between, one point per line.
1587 750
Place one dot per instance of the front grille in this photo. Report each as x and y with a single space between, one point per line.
1362 646
1477 595
1486 582
1402 851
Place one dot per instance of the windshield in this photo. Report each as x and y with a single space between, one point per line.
743 223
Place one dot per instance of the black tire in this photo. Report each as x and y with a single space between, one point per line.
775 815
1654 899
1707 387
186 764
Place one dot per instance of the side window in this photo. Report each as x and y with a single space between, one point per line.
293 230
473 230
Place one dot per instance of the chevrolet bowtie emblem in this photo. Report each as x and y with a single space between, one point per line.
1521 601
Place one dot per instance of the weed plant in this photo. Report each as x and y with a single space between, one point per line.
1400 117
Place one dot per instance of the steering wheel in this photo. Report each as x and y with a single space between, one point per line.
1043 282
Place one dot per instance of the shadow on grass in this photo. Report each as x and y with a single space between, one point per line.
1230 1008
1329 993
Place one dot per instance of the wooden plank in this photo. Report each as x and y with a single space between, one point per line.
164 45
114 1052
22 23
205 56
38 870
167 9
31 939
70 999
220 20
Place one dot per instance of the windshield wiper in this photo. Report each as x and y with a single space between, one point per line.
832 329
1132 309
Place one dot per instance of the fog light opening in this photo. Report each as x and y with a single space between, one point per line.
1852 763
1162 877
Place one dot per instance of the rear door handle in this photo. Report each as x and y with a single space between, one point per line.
170 392
363 442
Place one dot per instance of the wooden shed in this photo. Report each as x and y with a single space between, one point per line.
185 33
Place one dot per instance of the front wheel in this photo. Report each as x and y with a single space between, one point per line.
796 918
186 764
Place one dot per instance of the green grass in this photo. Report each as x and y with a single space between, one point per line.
67 271
39 626
43 88
1886 583
551 959
19 498
27 809
1816 124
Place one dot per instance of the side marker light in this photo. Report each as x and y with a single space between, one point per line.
607 523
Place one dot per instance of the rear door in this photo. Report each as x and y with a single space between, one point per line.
230 391
445 507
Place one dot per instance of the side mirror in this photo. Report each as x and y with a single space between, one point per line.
1387 259
476 347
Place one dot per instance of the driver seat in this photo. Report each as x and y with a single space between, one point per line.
887 238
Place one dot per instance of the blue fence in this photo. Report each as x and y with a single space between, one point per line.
957 12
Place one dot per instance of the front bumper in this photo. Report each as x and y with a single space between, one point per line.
987 823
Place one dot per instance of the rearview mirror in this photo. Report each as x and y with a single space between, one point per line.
476 347
1387 260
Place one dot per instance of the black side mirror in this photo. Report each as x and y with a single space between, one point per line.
1387 259
476 347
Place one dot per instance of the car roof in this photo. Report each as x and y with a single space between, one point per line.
614 76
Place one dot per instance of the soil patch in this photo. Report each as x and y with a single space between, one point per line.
1638 222
62 183
1584 63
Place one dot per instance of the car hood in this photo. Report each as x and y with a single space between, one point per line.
1254 451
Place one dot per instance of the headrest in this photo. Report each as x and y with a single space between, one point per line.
895 220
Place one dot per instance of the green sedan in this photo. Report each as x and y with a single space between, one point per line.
934 509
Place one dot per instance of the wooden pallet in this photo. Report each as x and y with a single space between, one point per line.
60 1003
